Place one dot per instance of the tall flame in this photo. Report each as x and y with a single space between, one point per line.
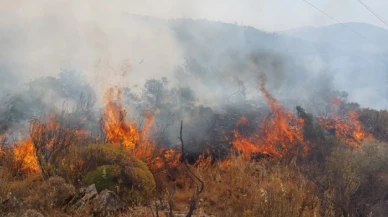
25 158
120 130
278 133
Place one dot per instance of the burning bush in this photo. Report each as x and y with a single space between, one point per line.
24 157
136 157
278 135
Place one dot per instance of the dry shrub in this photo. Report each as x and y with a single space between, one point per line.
22 188
137 212
32 213
51 194
257 189
5 178
355 182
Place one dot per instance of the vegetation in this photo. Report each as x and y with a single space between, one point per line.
329 165
113 168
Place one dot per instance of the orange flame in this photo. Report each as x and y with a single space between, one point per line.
120 130
204 159
347 127
25 158
278 133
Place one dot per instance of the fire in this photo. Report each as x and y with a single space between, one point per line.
204 159
165 158
146 146
279 132
347 127
25 158
120 130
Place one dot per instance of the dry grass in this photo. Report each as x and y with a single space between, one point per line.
257 189
352 180
5 178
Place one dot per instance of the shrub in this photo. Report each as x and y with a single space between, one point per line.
114 168
104 177
355 182
51 194
376 122
4 183
258 189
21 188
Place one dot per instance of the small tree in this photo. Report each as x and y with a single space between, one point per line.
52 142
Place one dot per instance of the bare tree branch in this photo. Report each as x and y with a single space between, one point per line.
200 187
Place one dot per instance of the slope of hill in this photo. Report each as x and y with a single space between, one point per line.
371 38
296 64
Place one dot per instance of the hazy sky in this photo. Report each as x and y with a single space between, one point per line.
264 14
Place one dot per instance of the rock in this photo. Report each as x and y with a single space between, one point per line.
83 197
32 213
106 202
100 204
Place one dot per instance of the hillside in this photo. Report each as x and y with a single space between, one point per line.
295 61
370 39
149 117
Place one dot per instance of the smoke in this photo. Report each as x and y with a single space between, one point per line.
204 67
99 40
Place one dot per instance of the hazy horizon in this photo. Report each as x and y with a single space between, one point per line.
275 15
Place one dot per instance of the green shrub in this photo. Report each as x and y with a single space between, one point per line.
114 168
104 177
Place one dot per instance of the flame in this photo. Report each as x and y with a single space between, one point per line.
278 133
204 159
79 164
120 130
25 158
224 163
165 158
347 127
145 148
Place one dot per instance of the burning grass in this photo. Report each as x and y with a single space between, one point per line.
235 185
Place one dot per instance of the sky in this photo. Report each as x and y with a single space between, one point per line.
269 15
